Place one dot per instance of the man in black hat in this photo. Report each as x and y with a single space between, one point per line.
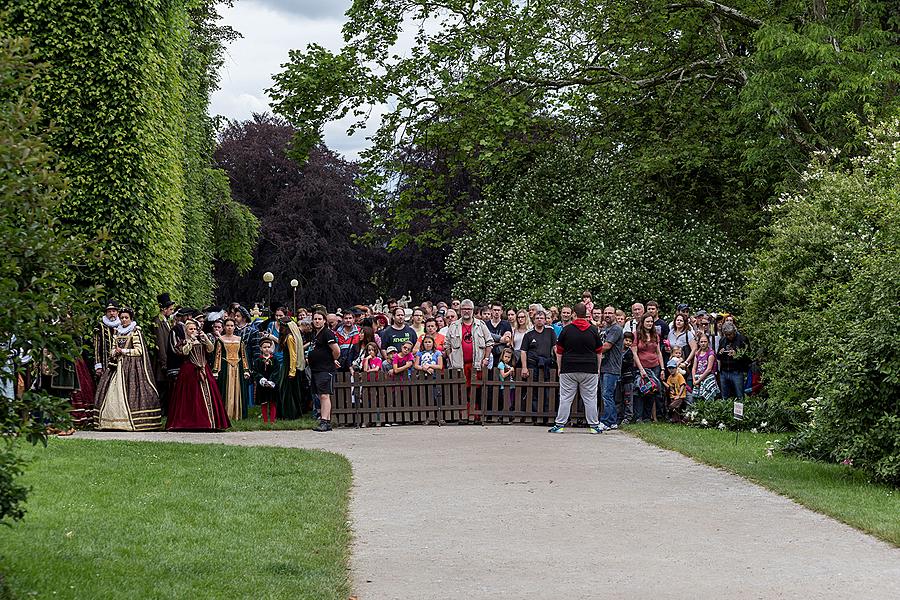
161 330
105 337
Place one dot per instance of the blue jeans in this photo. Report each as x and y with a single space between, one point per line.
610 415
732 384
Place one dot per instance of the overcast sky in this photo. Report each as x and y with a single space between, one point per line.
271 28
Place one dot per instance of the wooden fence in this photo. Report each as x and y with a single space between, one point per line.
377 398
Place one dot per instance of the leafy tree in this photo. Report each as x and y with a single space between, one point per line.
822 304
41 309
311 219
215 226
710 104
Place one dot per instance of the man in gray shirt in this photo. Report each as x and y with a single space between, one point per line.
610 368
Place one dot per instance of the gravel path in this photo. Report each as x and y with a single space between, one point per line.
513 512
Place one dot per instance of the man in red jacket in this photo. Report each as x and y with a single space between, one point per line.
578 352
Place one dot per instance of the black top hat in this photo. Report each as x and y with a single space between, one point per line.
164 300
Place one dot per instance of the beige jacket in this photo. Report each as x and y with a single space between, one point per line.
481 341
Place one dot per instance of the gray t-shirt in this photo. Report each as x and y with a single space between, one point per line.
612 358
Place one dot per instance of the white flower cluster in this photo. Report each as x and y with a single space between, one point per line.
549 238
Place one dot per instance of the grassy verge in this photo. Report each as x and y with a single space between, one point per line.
109 519
833 490
254 422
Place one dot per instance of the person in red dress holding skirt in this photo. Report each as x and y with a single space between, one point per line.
196 404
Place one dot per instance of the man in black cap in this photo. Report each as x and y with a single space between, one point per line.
161 330
105 337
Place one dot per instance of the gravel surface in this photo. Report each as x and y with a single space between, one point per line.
514 512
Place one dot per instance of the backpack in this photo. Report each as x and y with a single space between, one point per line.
646 386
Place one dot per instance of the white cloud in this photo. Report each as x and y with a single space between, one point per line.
269 32
270 29
312 9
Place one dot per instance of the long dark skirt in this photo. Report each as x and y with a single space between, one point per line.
195 403
83 398
288 405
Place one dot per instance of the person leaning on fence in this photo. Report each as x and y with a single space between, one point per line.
469 341
578 352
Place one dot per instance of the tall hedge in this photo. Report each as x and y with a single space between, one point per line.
126 90
215 226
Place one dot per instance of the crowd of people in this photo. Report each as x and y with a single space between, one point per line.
206 368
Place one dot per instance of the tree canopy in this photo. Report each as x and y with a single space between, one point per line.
42 308
704 104
311 218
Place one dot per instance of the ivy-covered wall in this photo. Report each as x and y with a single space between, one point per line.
126 90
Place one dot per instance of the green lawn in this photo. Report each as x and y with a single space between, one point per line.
835 490
109 519
254 422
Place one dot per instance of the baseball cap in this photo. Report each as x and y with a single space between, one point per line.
391 349
672 363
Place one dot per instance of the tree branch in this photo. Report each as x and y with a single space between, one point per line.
726 11
723 47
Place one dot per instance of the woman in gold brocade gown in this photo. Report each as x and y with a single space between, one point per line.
232 371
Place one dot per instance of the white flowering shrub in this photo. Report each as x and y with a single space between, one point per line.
760 415
562 229
822 305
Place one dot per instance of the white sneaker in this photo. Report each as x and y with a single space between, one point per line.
603 427
613 426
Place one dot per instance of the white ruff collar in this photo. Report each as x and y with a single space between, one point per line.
126 330
109 323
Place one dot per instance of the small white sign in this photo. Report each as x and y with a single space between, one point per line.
739 411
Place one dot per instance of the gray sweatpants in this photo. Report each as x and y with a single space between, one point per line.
586 384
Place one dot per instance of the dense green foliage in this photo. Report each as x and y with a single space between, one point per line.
823 301
164 520
833 490
699 106
215 226
41 309
564 227
126 88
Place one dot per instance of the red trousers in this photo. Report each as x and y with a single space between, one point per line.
479 375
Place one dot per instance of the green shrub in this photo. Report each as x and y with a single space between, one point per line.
40 306
126 87
822 304
760 415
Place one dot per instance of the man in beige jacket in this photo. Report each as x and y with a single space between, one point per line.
469 342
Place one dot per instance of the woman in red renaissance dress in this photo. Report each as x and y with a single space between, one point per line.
196 404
